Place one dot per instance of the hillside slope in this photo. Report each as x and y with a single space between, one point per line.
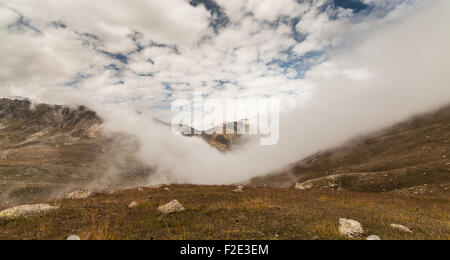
369 181
412 157
48 150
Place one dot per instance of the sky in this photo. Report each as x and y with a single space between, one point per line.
340 69
150 52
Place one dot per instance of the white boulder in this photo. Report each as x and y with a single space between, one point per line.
171 207
27 211
79 195
133 204
304 186
350 228
239 189
373 238
401 228
73 238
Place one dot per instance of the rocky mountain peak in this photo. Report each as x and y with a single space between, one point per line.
35 117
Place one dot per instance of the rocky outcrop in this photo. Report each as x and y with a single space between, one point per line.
27 211
304 186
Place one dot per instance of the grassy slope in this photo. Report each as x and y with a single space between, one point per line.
219 213
400 158
47 162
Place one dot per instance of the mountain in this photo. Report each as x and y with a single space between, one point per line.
412 157
47 150
224 137
397 176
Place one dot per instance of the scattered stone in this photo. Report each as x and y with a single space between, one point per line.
133 204
239 189
373 238
304 186
80 194
401 228
350 228
27 211
73 238
171 207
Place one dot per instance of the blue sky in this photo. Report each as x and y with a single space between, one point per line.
152 52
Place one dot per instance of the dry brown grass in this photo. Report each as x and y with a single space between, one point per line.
216 212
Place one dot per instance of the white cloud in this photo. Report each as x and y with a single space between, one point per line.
112 20
244 56
271 10
7 17
375 69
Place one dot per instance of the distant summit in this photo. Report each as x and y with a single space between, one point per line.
223 137
75 121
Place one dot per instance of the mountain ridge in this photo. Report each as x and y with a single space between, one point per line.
410 157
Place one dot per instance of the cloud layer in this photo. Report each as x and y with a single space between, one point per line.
341 68
151 52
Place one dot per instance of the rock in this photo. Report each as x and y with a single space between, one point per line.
166 189
239 189
171 207
373 238
73 238
27 211
133 204
80 194
401 228
140 189
304 186
350 228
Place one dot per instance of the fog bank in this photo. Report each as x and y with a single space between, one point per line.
382 77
